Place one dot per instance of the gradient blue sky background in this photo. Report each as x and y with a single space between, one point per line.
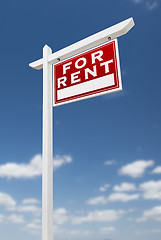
106 150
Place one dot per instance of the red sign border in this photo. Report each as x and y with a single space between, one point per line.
94 93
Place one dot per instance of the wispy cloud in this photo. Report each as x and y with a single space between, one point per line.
149 4
78 232
104 187
16 218
147 232
31 169
113 197
136 169
110 162
26 208
106 230
138 1
99 216
1 218
74 232
59 161
61 216
33 226
12 218
30 201
125 187
122 197
97 200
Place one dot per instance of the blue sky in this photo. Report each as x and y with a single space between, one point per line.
106 149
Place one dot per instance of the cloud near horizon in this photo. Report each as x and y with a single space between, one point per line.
12 218
151 214
100 216
6 200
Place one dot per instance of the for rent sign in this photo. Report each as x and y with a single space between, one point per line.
88 74
92 73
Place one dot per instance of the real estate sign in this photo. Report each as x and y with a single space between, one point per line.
89 74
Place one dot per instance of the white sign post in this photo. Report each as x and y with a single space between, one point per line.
47 151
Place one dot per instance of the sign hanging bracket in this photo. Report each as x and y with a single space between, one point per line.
87 43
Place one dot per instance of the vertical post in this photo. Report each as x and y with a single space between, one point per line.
47 169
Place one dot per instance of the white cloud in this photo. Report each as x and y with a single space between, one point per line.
66 232
32 169
16 218
152 214
78 232
106 230
60 216
114 197
157 170
33 226
97 200
99 216
123 197
104 187
11 205
75 232
125 187
151 190
59 161
12 218
26 209
29 209
15 170
136 169
6 200
30 201
110 162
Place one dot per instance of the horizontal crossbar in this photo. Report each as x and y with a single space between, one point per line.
87 43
